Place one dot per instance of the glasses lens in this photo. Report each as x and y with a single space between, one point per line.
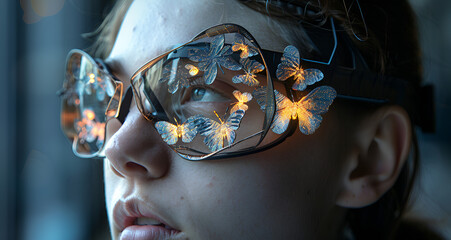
89 100
208 96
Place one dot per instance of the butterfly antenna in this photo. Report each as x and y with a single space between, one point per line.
218 117
176 121
220 68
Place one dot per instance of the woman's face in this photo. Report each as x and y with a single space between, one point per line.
285 192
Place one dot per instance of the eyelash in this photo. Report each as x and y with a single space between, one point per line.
187 94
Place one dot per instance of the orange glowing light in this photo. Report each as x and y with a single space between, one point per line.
111 113
244 49
300 75
92 78
193 70
90 115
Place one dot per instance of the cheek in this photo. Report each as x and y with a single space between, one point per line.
115 188
270 192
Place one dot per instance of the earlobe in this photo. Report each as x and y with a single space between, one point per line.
382 143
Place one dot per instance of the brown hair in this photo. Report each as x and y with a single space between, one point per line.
105 35
390 46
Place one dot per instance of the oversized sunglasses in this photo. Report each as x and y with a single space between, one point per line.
219 95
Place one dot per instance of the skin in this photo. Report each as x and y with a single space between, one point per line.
287 192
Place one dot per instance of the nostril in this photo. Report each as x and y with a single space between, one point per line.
134 167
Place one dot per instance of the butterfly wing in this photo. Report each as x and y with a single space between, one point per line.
189 128
170 75
210 73
289 63
225 59
283 113
234 120
312 105
212 132
216 45
232 124
260 95
310 77
242 97
238 42
168 131
250 67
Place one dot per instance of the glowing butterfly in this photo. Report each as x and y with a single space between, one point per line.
251 68
239 44
209 60
176 75
307 110
171 133
220 134
290 67
242 99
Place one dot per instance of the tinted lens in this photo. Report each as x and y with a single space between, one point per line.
208 96
89 100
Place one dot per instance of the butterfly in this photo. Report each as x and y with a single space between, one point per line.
220 134
307 110
171 133
290 67
239 44
242 99
250 67
178 75
216 56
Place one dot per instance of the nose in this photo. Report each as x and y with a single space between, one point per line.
136 150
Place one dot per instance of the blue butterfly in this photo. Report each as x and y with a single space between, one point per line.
220 134
307 110
210 59
290 67
251 68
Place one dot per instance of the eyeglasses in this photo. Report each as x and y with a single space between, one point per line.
219 95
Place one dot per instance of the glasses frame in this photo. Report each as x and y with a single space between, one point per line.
355 83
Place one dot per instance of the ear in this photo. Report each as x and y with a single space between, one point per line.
380 148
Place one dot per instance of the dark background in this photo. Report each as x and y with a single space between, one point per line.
49 194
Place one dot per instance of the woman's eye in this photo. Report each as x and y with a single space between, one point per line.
197 94
200 94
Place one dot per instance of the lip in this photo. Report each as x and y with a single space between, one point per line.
127 211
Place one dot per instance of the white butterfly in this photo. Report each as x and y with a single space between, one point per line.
171 133
290 67
220 134
242 98
307 110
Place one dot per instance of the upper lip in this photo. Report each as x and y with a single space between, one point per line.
127 210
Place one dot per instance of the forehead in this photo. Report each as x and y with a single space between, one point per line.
152 27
